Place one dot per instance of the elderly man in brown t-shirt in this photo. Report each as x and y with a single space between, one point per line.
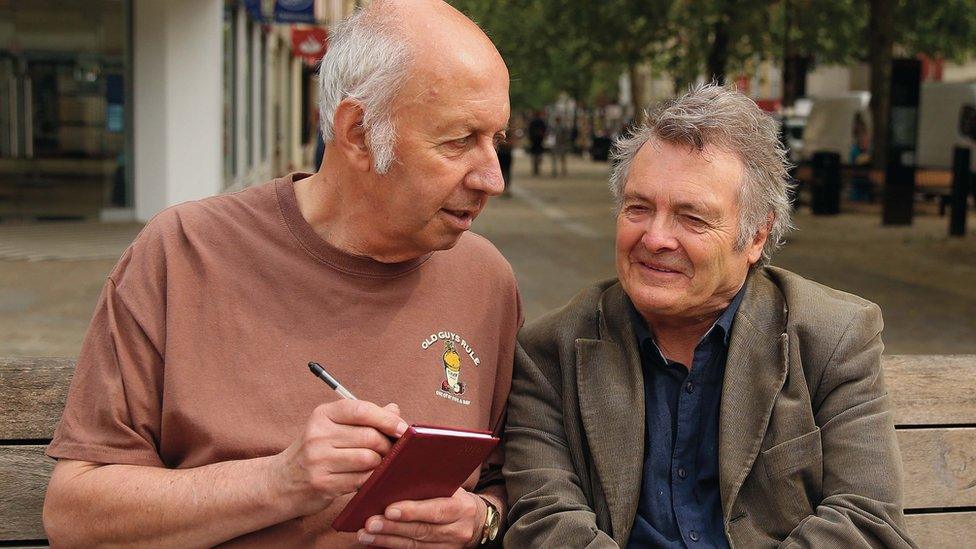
192 419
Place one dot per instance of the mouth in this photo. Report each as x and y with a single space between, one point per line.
462 219
658 269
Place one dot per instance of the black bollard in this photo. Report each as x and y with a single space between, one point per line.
825 191
961 182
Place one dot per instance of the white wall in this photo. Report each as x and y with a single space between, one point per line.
828 80
965 72
178 102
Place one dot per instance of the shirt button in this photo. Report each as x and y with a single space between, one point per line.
693 535
682 473
690 386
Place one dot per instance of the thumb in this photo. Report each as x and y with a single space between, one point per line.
393 407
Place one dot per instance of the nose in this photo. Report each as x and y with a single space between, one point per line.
486 173
659 234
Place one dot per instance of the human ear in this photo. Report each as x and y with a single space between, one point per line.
349 136
755 248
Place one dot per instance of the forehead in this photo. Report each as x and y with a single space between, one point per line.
679 172
459 92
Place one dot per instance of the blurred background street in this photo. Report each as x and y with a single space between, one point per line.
112 110
558 235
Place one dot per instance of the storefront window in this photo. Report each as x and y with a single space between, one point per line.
63 129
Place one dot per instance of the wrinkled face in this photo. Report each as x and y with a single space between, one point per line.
677 229
446 166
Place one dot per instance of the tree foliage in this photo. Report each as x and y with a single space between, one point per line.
937 28
581 48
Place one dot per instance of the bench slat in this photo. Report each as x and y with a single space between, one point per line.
940 467
32 395
938 530
939 464
24 472
932 390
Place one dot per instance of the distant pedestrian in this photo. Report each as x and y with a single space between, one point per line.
537 137
561 138
860 189
504 150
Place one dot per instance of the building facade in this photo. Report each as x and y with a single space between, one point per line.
117 109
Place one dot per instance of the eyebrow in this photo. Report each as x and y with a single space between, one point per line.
689 206
453 129
696 207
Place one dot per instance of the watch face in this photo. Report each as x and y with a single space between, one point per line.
493 524
493 529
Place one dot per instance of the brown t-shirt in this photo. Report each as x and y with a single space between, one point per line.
198 349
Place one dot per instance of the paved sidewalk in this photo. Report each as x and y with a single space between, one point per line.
59 241
558 235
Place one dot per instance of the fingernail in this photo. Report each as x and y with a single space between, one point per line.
366 538
401 428
393 514
375 526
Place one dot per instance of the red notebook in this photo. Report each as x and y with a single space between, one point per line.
426 462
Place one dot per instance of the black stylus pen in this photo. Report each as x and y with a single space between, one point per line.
320 373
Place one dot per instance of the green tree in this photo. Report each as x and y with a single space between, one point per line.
809 32
617 35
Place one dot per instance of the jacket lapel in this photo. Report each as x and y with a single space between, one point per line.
611 398
754 374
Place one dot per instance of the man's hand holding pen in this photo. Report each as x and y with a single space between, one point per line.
341 444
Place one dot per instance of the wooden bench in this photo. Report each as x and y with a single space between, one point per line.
929 182
934 398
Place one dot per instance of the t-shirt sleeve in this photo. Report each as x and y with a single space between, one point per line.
113 410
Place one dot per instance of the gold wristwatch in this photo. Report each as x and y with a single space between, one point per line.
493 521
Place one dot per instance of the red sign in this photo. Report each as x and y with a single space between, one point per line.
309 43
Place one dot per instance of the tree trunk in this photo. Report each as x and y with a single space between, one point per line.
718 54
636 97
795 66
882 39
795 70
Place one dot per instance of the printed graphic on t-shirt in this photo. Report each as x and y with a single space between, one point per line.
452 360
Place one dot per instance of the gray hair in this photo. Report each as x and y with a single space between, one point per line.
718 116
367 61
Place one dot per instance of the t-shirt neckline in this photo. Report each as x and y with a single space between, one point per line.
316 246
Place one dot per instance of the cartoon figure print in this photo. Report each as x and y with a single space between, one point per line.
452 370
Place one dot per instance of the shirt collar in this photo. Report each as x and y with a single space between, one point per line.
724 322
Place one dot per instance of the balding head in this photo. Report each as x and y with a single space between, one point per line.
395 48
440 34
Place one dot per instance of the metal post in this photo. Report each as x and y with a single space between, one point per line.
961 182
825 199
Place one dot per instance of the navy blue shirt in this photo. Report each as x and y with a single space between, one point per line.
680 505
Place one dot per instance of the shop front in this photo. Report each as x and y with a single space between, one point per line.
65 131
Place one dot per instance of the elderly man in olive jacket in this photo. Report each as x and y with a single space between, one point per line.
702 398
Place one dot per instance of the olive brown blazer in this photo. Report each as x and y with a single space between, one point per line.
807 448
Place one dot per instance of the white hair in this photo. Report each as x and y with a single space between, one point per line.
714 115
368 61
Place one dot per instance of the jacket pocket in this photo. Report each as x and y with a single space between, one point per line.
793 455
792 482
